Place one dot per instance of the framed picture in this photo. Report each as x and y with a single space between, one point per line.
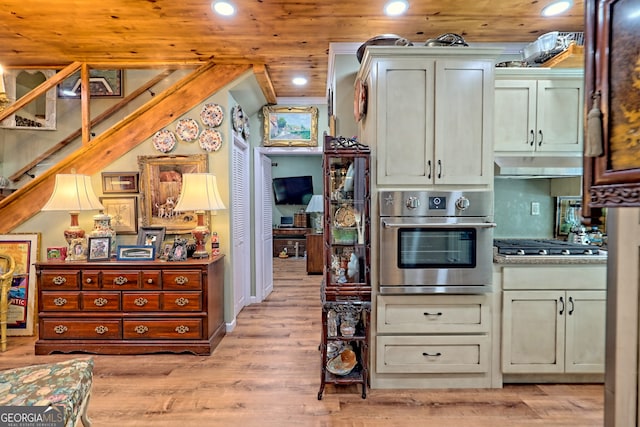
178 251
102 83
77 250
99 248
123 212
56 253
151 236
25 249
136 253
120 182
161 183
290 126
563 206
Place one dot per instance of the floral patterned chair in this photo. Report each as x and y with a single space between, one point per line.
7 266
65 386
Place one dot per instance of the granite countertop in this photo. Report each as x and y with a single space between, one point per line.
600 258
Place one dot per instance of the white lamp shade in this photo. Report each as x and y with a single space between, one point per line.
73 193
199 193
316 204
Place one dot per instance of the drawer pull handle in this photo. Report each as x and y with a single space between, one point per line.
426 313
140 302
59 280
88 280
182 329
101 329
438 354
181 280
120 280
150 281
60 329
181 302
60 301
100 302
561 306
141 329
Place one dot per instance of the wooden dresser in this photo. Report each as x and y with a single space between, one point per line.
116 307
289 238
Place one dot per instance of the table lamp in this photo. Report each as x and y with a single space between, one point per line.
316 208
199 193
73 193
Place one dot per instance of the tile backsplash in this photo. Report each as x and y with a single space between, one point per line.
513 198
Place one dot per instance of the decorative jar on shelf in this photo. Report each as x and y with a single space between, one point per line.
102 228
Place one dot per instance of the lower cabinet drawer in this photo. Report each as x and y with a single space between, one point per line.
182 301
141 301
68 329
433 354
60 301
433 314
140 329
101 301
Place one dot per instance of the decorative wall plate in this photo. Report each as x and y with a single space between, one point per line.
237 118
210 140
359 100
187 129
212 115
164 140
245 129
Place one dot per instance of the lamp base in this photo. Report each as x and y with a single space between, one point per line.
200 234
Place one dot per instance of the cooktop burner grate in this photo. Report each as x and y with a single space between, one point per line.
541 247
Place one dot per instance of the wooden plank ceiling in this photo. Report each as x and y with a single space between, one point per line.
289 37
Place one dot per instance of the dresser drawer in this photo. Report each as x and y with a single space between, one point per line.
182 301
171 329
433 314
91 279
433 354
120 280
53 279
101 301
68 329
141 301
181 279
60 301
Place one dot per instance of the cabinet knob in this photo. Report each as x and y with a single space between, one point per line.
88 280
150 281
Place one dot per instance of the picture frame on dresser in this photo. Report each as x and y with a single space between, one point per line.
135 253
99 248
25 249
151 236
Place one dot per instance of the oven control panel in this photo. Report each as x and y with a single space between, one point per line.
437 203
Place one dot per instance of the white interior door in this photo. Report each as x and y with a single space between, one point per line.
241 221
263 226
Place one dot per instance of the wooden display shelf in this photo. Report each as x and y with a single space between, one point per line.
573 57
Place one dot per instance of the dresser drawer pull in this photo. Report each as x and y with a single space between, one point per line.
60 301
100 302
181 280
182 329
120 280
141 329
432 355
60 329
101 330
150 281
59 280
182 301
140 302
88 280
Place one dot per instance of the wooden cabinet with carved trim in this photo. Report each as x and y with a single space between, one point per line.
141 307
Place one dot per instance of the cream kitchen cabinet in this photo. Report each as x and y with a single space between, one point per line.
429 114
553 319
538 111
553 331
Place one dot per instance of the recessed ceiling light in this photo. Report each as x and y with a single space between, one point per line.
557 8
223 8
299 81
396 7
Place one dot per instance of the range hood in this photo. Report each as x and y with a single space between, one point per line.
537 166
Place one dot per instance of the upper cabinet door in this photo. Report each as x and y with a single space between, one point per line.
559 116
515 115
612 40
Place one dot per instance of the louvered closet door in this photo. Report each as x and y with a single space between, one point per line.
241 236
264 198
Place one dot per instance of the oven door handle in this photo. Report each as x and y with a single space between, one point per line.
387 224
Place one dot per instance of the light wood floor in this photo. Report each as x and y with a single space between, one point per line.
267 373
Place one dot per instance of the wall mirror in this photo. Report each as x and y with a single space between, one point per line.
39 113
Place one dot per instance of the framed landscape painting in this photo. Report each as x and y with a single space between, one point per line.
290 126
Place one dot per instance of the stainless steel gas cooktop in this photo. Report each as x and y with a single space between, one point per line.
542 247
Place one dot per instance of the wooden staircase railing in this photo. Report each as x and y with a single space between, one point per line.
115 142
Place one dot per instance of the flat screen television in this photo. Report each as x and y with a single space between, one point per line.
293 190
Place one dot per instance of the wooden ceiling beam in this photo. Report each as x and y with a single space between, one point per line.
266 85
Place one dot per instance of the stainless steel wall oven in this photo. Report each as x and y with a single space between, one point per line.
436 242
